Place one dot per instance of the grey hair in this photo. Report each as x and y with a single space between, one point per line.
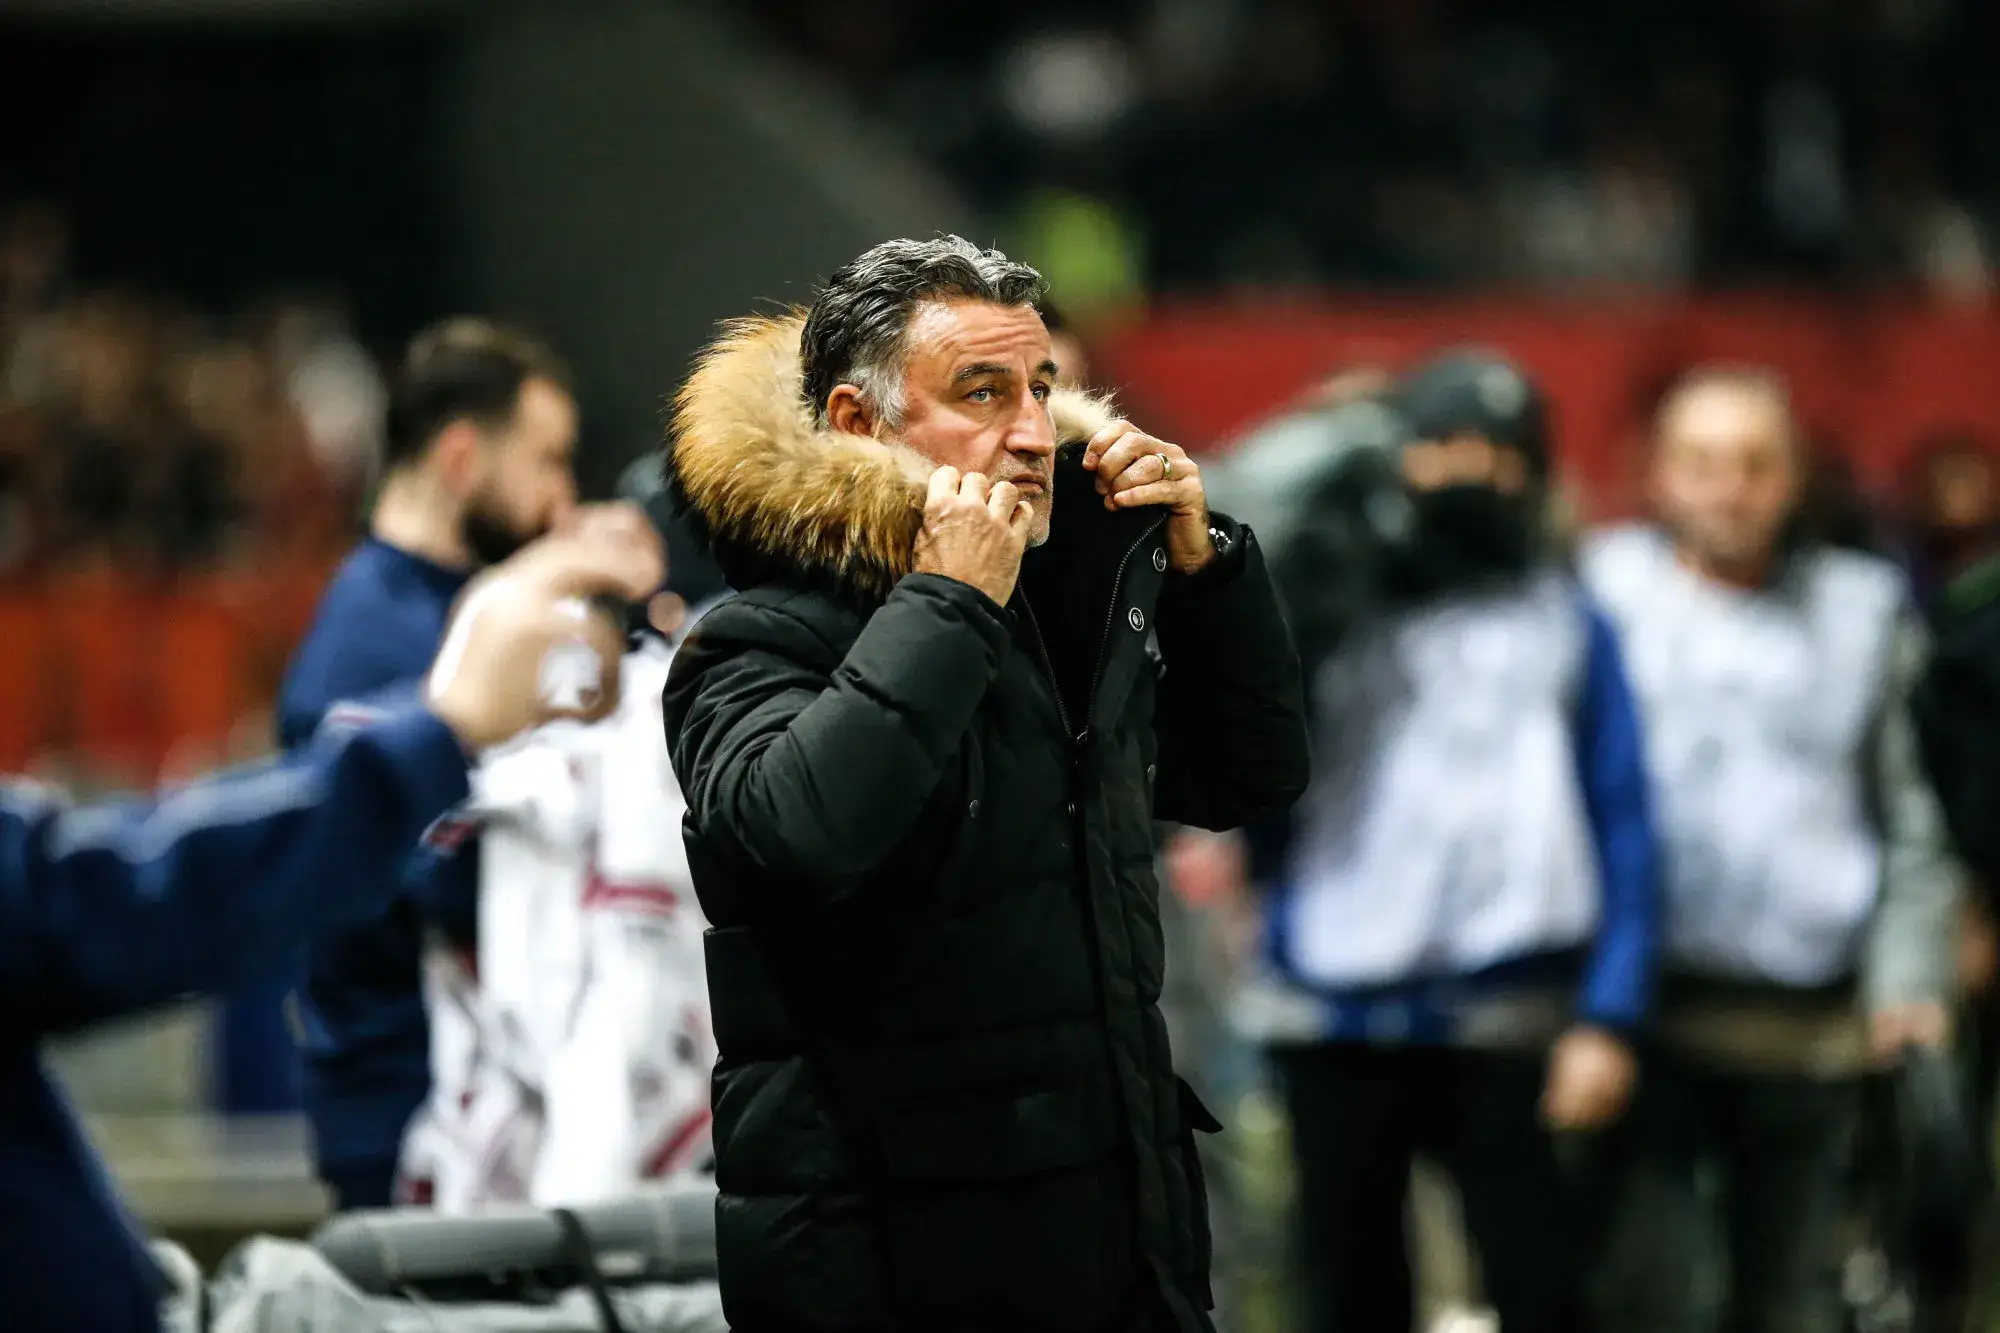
857 331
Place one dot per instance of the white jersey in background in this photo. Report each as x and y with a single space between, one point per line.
1445 829
1762 711
575 1066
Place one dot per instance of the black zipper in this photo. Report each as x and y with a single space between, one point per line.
1110 620
1120 1098
1048 664
1077 738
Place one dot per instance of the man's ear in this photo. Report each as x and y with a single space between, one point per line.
1654 483
455 455
848 412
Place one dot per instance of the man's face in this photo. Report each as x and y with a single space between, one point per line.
526 482
1726 474
976 384
1472 513
1963 492
1464 459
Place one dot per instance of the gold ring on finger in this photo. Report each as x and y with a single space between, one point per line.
1166 467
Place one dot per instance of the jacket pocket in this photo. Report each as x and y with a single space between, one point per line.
747 1007
1003 1138
1001 1213
1197 1119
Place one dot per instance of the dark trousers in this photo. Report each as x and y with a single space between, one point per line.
360 1185
1145 1316
1359 1114
1732 1194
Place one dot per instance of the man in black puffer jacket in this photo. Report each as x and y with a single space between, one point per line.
922 773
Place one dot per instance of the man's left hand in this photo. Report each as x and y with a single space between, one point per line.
1591 1073
1895 1028
1134 469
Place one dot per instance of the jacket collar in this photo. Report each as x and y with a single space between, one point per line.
776 496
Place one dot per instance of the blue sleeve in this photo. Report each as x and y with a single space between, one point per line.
1611 768
362 642
442 880
319 674
322 683
112 909
445 887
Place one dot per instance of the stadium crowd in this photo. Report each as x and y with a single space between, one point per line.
1438 142
167 467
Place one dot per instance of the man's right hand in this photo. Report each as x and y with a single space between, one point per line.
525 646
974 533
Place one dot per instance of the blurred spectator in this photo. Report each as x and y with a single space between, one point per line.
21 491
103 433
1954 541
1951 510
286 503
335 388
1954 546
1810 894
481 438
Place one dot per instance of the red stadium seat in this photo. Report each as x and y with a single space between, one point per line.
105 648
201 670
25 654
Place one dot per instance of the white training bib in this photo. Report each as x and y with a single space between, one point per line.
1445 829
1759 709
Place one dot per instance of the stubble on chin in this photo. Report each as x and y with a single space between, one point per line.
1038 533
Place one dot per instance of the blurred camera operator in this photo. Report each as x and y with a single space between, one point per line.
1459 933
1809 898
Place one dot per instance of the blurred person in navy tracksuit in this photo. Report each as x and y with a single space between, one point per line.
1952 548
480 439
111 910
1951 511
1460 929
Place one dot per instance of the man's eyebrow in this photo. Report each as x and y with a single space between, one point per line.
1048 369
980 370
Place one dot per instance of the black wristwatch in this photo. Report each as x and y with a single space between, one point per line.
1224 543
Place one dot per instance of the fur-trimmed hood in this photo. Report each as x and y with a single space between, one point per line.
771 489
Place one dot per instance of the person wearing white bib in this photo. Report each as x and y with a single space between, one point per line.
571 1066
1460 918
1809 894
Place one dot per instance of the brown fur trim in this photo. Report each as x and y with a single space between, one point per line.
760 476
